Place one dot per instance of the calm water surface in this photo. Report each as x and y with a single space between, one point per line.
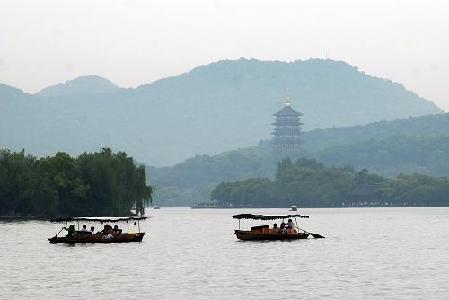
395 253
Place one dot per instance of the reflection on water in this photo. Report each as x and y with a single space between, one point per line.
193 254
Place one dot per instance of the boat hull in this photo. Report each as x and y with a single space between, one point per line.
258 236
96 238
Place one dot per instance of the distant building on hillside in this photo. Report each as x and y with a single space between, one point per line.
287 129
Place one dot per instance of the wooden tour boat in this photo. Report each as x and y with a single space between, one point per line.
264 232
107 235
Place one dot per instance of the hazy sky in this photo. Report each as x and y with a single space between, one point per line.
134 42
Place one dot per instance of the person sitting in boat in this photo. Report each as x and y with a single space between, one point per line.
107 236
116 230
84 230
92 229
282 228
107 232
290 224
70 231
107 229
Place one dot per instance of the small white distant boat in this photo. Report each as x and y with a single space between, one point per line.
156 207
293 208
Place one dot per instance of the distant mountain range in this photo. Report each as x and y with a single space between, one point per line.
82 85
211 109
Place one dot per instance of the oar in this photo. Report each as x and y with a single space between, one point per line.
315 235
60 231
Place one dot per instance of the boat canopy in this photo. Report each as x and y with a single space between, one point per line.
262 217
97 219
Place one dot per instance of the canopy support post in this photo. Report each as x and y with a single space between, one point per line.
78 225
138 225
239 224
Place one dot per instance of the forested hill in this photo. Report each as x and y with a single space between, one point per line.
92 184
311 184
415 145
430 125
211 109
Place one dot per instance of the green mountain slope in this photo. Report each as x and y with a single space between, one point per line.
211 109
415 145
392 155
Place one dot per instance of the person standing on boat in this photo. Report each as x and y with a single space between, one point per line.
70 231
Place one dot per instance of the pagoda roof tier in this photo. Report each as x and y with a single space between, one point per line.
287 111
287 130
288 117
292 123
286 136
286 140
287 145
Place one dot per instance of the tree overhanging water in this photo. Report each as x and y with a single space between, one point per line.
92 184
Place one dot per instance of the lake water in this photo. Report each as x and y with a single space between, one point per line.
395 253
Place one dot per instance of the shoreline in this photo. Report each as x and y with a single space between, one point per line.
24 218
47 218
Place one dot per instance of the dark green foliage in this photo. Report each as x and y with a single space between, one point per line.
93 184
311 184
417 189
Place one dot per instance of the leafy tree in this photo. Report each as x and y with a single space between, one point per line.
102 183
312 184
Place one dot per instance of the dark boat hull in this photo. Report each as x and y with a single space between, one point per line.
257 236
96 238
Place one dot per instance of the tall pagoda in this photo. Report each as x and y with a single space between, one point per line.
287 129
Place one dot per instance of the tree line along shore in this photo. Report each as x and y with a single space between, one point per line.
92 184
107 183
308 183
